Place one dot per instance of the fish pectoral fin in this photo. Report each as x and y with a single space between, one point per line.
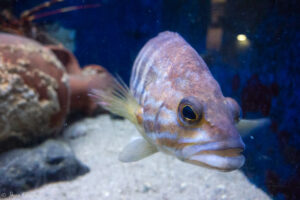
246 126
137 150
118 99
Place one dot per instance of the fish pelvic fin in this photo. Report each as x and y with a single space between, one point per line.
117 99
137 150
247 126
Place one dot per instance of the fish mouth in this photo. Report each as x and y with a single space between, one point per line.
224 153
223 159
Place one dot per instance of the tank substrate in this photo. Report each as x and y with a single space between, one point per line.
97 142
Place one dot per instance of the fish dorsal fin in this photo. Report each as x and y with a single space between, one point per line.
137 150
117 99
246 126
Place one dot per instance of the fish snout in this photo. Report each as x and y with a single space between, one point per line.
221 155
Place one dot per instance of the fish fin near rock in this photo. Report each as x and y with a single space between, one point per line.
117 99
246 126
137 150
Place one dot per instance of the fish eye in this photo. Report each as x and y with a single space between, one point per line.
189 111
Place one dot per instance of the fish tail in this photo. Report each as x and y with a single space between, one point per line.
248 126
117 99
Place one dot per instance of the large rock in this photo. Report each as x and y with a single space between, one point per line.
24 169
34 92
39 85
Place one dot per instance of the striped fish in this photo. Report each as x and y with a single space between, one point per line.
178 107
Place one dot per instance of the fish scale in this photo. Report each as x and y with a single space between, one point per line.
152 55
169 80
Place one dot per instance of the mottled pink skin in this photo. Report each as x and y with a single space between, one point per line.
167 70
15 48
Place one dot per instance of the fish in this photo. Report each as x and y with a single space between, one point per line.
178 107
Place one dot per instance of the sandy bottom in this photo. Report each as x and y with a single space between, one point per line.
156 177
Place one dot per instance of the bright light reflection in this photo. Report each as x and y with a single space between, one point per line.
241 37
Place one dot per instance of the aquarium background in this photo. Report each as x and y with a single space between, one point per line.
260 71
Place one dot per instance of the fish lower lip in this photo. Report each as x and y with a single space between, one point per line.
222 148
218 162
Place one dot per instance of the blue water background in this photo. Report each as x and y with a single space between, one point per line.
264 77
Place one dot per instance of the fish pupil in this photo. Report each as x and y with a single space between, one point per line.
188 113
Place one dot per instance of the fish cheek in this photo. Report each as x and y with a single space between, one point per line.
192 134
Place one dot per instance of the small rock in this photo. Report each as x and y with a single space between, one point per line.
147 187
25 169
182 187
75 131
221 187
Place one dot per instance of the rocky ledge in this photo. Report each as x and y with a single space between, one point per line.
24 169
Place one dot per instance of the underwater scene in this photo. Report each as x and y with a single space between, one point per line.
152 100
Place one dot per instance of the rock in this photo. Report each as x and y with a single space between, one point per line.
39 85
75 131
25 169
34 92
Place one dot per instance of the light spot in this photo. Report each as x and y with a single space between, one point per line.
241 37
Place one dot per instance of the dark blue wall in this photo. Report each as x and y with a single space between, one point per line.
264 77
